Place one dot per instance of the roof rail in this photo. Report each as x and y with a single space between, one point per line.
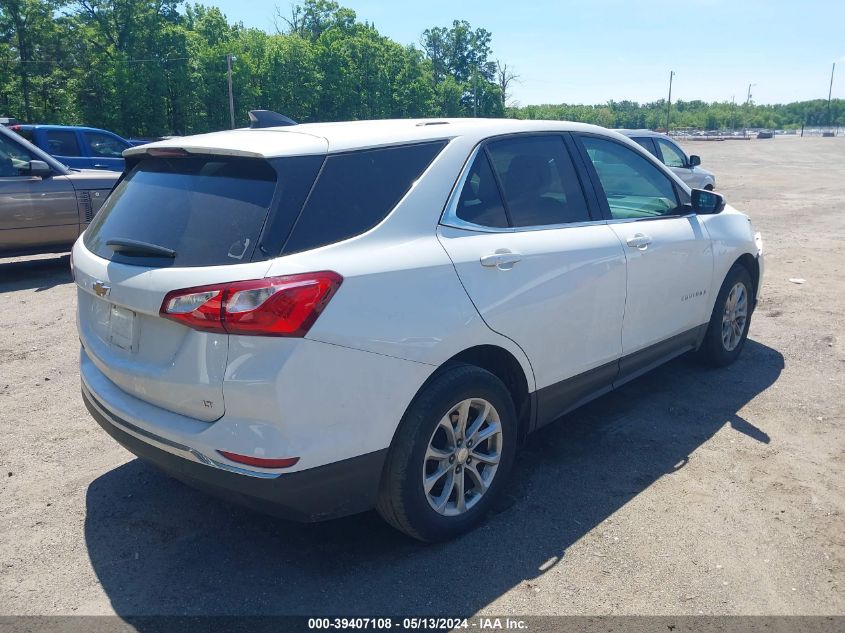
268 118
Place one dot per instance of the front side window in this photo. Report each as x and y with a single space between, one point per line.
539 182
62 143
104 145
14 159
633 186
672 155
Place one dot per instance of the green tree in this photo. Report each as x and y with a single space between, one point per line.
32 44
463 55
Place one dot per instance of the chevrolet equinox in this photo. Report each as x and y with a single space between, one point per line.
318 319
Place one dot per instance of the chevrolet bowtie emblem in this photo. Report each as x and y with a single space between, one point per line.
101 289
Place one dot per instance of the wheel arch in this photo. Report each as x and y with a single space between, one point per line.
750 263
506 367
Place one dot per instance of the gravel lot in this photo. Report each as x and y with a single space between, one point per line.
688 491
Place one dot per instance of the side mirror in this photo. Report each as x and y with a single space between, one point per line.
694 160
707 202
39 168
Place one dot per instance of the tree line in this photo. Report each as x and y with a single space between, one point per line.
151 67
722 115
156 67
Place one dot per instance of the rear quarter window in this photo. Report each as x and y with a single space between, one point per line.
357 190
27 134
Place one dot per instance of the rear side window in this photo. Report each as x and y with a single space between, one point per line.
209 210
357 190
647 143
62 143
539 181
480 202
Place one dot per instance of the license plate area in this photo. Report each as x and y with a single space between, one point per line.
123 328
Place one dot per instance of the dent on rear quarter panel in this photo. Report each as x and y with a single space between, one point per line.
287 396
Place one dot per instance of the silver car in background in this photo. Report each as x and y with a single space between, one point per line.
668 152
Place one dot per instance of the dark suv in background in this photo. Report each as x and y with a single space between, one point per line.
77 146
44 205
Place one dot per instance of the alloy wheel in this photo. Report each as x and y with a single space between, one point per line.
462 457
735 316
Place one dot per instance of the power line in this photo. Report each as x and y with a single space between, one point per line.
65 63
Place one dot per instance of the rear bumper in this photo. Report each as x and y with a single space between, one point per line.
316 494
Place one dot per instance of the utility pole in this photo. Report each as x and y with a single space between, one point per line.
747 104
829 93
733 110
669 102
229 59
474 92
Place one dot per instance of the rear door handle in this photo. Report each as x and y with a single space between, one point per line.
639 241
503 260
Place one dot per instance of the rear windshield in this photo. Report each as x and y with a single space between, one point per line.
215 210
209 210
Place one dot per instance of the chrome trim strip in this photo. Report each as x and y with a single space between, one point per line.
200 457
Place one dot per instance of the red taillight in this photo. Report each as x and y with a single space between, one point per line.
275 306
261 462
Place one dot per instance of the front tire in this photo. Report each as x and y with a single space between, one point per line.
730 320
451 455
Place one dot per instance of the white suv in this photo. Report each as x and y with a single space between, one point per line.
318 319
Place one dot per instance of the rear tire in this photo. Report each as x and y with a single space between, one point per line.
451 455
730 320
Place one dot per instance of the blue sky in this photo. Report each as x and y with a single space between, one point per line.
596 50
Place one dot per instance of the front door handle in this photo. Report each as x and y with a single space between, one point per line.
503 259
639 241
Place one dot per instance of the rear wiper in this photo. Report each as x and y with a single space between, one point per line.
131 248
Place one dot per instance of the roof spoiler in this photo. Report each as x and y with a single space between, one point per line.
268 118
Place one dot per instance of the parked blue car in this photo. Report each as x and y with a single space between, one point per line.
80 147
